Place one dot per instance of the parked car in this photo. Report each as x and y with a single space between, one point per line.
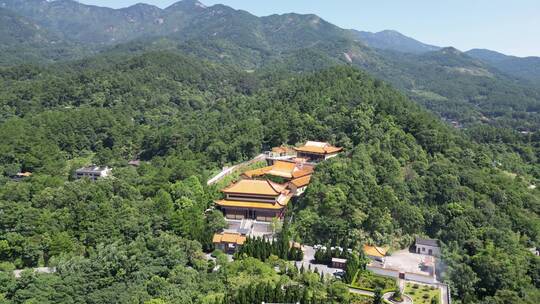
339 274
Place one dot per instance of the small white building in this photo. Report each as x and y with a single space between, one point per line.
93 172
428 246
339 263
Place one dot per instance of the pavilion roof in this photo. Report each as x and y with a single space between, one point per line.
228 237
260 187
318 148
375 250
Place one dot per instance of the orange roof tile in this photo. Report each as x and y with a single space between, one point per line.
251 186
257 172
283 169
375 251
228 237
318 147
301 181
306 170
319 150
216 238
282 149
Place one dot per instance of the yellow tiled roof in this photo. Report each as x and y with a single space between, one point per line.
228 237
282 149
318 147
258 172
375 251
306 170
249 186
255 205
282 169
318 150
301 181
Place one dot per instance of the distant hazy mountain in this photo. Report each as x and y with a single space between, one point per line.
184 20
16 29
523 67
24 41
395 41
85 23
451 83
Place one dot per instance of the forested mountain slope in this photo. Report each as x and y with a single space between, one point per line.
527 68
456 87
462 88
23 41
394 41
139 235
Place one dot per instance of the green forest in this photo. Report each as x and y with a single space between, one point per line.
141 236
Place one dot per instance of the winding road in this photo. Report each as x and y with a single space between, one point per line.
230 170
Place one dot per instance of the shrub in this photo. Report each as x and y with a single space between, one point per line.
7 266
397 296
415 286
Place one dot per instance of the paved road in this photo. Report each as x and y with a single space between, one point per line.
230 170
309 257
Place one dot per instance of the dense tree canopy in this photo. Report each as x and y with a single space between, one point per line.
139 236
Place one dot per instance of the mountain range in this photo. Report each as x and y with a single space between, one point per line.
463 87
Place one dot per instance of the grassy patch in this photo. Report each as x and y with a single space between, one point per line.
368 280
360 299
227 180
422 294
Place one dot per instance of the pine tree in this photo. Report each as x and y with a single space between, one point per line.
377 296
353 265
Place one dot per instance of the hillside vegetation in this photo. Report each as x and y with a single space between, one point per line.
453 85
140 235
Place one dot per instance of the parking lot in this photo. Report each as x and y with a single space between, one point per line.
405 261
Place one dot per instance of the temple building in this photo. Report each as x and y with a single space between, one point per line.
299 185
297 175
281 151
228 242
375 253
316 151
285 169
261 200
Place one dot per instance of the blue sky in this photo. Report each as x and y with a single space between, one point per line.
508 26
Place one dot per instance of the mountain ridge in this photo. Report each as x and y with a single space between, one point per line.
224 34
394 40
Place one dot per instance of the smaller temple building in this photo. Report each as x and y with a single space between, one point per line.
261 200
299 185
228 242
316 151
296 174
375 253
